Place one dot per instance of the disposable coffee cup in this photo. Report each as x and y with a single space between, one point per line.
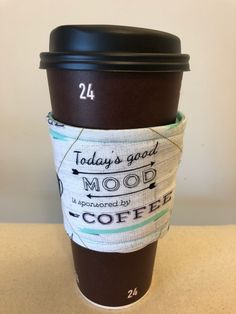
111 82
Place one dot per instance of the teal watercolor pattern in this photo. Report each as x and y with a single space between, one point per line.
59 136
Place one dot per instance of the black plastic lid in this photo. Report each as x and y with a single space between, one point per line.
113 48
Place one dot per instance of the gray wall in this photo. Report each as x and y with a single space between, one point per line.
206 183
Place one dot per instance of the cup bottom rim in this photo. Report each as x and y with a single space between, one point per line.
111 307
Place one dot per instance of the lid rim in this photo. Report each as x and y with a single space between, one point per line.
122 62
117 66
117 54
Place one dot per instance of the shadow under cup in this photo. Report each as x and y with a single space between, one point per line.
123 100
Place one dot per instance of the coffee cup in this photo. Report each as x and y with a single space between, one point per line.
105 78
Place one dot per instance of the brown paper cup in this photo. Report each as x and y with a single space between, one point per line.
128 93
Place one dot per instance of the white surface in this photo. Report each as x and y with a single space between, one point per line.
207 177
